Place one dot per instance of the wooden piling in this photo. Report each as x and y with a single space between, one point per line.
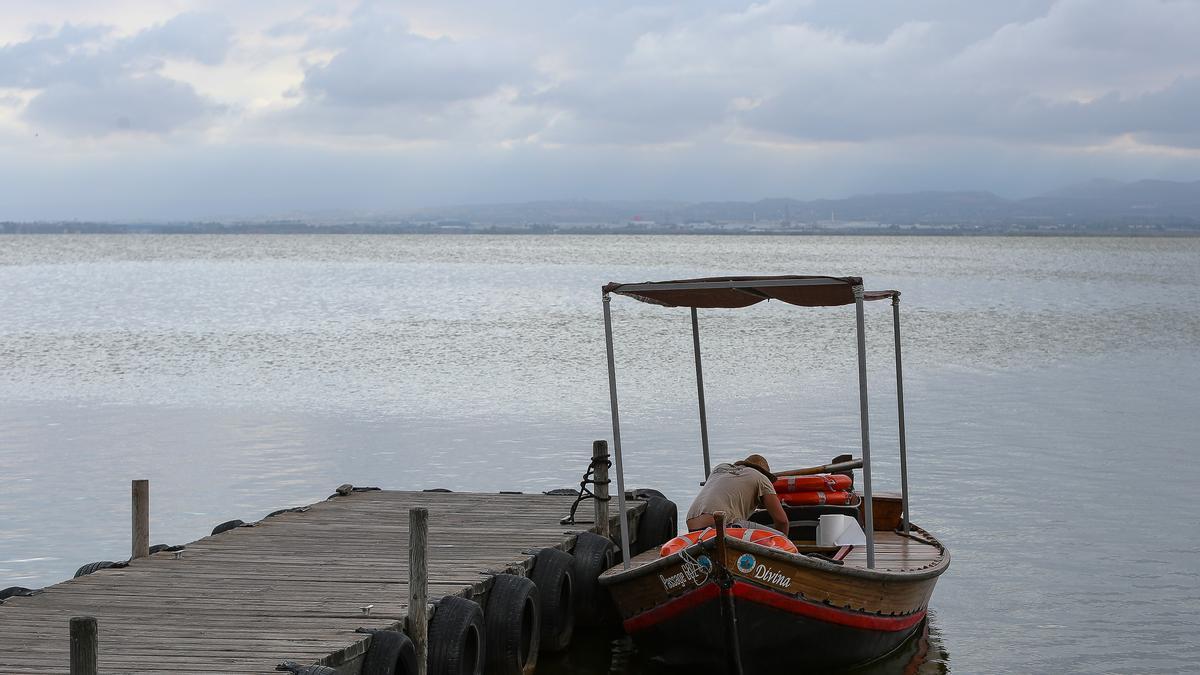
141 519
600 462
418 581
84 645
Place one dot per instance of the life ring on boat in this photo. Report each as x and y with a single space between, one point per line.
752 535
817 498
824 482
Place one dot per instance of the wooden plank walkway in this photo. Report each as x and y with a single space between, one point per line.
291 587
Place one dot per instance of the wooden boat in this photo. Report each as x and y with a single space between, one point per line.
754 608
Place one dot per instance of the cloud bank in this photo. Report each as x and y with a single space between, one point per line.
457 101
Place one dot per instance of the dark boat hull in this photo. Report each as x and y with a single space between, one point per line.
792 611
774 632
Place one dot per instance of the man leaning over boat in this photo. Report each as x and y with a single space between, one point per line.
738 489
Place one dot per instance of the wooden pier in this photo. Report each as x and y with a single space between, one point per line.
293 587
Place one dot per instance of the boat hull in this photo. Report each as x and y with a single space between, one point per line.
769 626
790 610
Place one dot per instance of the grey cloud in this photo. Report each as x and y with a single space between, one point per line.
382 63
396 122
90 84
1069 72
933 108
60 55
634 110
384 80
1025 82
289 28
204 37
1087 47
536 99
147 104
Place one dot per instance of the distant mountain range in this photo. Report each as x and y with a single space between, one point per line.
1094 207
1095 202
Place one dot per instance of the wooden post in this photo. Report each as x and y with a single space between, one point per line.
141 519
84 645
733 648
418 579
600 461
719 525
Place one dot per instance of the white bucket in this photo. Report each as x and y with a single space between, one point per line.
835 529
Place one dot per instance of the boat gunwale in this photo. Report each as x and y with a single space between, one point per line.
939 565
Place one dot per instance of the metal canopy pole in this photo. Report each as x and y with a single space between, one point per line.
700 392
616 425
900 410
868 512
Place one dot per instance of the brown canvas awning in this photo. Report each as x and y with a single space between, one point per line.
880 295
733 292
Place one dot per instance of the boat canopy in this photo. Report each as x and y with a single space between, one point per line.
734 292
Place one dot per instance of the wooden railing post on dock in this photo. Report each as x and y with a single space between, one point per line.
84 645
600 462
418 580
141 519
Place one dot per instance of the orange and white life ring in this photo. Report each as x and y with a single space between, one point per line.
818 498
825 482
753 535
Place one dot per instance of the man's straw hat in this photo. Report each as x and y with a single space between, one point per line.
758 462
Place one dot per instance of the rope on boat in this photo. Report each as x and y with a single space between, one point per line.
589 478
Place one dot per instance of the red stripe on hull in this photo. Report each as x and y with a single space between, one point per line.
826 613
672 608
762 596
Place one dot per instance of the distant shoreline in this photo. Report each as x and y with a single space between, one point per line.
900 231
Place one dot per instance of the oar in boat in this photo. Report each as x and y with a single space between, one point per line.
836 467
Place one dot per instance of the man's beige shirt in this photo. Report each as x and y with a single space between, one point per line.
736 490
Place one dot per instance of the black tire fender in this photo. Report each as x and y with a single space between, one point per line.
93 567
456 638
593 554
647 493
554 576
513 625
658 524
14 592
227 525
390 653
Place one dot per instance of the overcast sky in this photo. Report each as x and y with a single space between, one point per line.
175 109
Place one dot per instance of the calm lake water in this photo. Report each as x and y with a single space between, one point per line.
1052 389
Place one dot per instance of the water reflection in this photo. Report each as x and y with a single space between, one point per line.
611 653
923 654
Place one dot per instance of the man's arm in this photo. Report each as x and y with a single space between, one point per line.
779 517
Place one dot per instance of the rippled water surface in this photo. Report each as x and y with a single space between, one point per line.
1052 389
